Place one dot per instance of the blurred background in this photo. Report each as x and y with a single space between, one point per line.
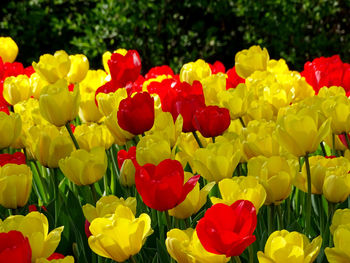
176 32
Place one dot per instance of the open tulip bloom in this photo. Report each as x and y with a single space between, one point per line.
209 165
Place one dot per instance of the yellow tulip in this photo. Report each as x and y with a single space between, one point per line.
152 149
36 227
93 135
194 71
67 259
212 86
341 250
249 60
107 102
36 85
93 80
276 174
10 129
16 89
121 235
107 56
241 188
15 185
185 247
301 133
327 92
193 202
336 186
290 247
340 217
53 67
338 109
8 49
48 144
120 135
217 161
57 104
85 167
106 205
78 68
88 111
127 173
235 100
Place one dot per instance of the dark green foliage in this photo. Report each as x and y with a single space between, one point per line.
176 32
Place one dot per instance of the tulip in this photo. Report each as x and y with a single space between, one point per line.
85 167
162 187
185 247
92 81
93 135
158 71
35 227
338 109
36 85
88 111
57 104
15 185
16 89
120 135
217 161
276 174
16 158
249 60
127 165
10 128
125 68
336 186
15 247
136 114
228 230
217 67
107 56
48 144
233 79
212 86
107 102
340 217
106 205
53 67
235 100
194 71
8 49
78 68
211 121
284 246
340 252
193 202
241 188
119 236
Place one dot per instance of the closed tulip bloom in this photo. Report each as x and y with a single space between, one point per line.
338 109
88 111
211 121
136 114
212 86
284 246
162 187
48 144
249 60
336 186
228 230
35 227
16 89
15 185
194 71
121 235
10 129
14 247
127 165
85 167
106 205
57 104
341 250
340 217
217 161
300 133
78 68
8 49
53 67
276 174
93 135
185 247
193 202
241 188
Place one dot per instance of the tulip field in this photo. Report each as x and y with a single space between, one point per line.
210 165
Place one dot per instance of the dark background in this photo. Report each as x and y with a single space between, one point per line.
176 32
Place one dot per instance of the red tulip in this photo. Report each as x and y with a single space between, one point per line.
17 158
126 68
135 86
136 114
217 67
55 256
87 229
327 72
211 121
14 247
158 71
228 230
162 187
233 79
123 155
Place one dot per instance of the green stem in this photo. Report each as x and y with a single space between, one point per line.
115 172
187 223
251 254
271 216
237 259
331 210
168 220
280 218
94 193
320 213
132 259
308 199
72 136
197 139
242 122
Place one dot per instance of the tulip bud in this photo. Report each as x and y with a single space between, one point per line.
78 69
16 89
8 49
93 135
336 186
10 129
341 251
212 86
152 149
340 217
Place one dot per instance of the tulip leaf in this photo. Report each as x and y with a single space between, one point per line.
162 253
